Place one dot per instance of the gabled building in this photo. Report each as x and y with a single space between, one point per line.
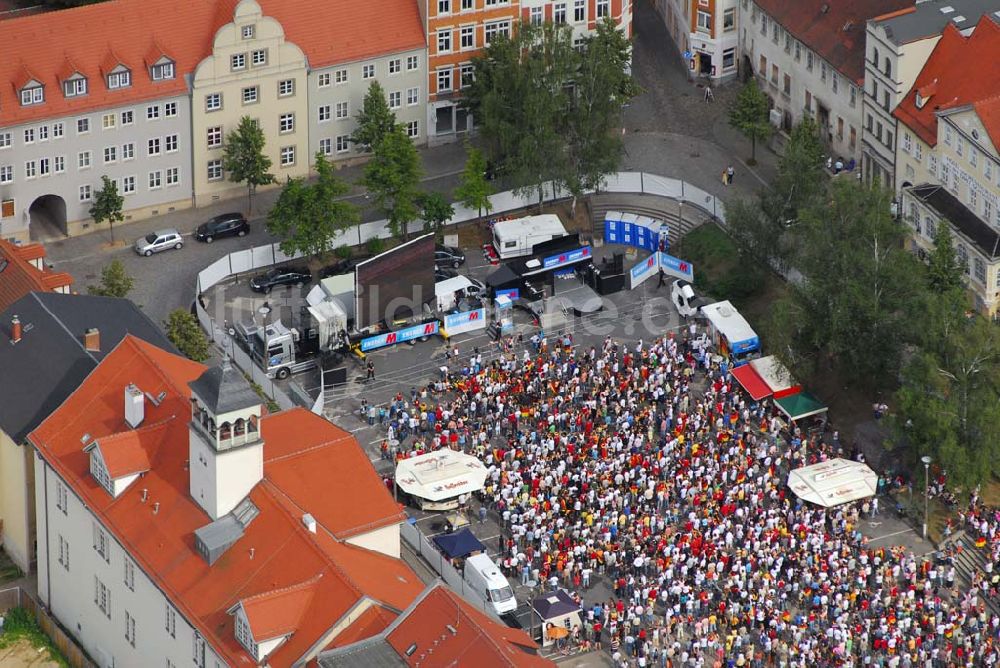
705 33
172 506
23 270
49 342
947 157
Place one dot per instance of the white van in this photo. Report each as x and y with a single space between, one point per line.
518 237
484 577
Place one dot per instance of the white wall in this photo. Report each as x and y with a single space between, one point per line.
384 540
219 481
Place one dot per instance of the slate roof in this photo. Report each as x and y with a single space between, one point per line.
926 19
984 236
224 389
50 361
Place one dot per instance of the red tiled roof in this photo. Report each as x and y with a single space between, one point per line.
834 29
473 639
19 276
277 613
328 31
369 623
276 551
941 89
130 452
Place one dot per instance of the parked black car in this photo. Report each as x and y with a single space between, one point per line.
225 225
342 266
442 274
448 255
280 276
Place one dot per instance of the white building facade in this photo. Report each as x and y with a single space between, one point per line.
706 34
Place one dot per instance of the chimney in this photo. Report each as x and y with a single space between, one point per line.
92 340
145 495
135 406
310 522
156 507
252 550
15 329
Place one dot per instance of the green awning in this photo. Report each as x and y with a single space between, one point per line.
800 405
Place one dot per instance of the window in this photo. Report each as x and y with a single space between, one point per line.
128 185
155 179
340 77
493 30
535 16
444 6
342 111
170 143
33 95
173 176
250 95
395 100
973 156
238 61
326 146
102 597
412 96
214 135
413 129
171 625
64 552
467 73
170 109
75 87
119 80
774 74
30 169
323 80
5 139
559 12
29 135
82 126
467 5
128 151
287 156
947 135
729 20
324 113
444 80
343 143
59 164
259 57
101 544
704 21
110 154
395 66
108 121
603 8
130 628
130 574
244 636
57 132
468 37
854 96
444 42
809 60
963 257
214 170
286 123
888 138
163 71
907 142
763 66
127 118
368 71
247 31
199 650
83 159
835 82
579 11
152 112
153 146
987 168
787 87
213 102
7 176
412 63
798 52
43 167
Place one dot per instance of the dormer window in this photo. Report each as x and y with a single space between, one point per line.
32 95
99 470
247 32
920 100
119 79
75 87
162 71
244 636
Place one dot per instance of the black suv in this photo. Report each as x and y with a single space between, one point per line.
226 225
448 255
280 276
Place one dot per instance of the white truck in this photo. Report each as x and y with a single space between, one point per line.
484 577
518 237
279 351
684 299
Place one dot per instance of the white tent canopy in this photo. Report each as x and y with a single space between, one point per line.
440 475
833 482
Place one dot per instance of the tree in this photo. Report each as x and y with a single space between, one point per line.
944 273
184 332
392 177
108 205
436 210
115 281
308 217
375 120
749 115
244 160
474 189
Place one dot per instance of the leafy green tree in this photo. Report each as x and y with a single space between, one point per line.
944 273
244 160
308 217
436 210
474 189
392 177
749 115
183 330
375 119
115 281
108 205
760 237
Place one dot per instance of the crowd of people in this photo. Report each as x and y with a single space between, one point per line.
645 465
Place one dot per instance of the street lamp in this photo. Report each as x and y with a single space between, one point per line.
927 468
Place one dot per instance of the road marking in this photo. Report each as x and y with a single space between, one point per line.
890 535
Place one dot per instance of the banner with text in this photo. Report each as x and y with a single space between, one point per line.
467 321
399 336
641 271
651 266
673 266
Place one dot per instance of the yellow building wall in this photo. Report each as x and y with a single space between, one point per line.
17 514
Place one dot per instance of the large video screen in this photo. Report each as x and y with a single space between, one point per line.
394 285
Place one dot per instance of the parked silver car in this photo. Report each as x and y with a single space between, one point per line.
161 240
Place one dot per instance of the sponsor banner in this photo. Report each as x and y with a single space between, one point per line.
399 336
513 294
562 259
673 266
641 271
467 321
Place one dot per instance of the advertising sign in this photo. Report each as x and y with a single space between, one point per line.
399 336
513 294
467 321
673 266
641 271
570 257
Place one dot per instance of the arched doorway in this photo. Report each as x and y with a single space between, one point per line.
47 218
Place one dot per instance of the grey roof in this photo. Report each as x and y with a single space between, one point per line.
212 540
928 20
554 604
375 652
983 235
223 389
50 361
